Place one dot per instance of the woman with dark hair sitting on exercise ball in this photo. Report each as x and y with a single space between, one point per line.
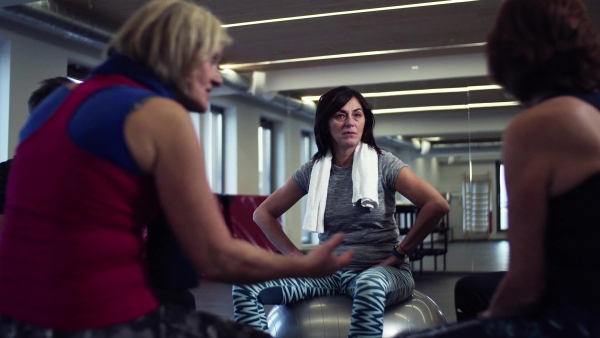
351 186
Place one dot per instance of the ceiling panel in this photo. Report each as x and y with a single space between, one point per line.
415 35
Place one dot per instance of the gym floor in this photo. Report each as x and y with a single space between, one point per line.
463 258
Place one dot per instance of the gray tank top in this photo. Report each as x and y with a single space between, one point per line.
371 233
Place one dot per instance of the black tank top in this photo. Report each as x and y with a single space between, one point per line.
572 247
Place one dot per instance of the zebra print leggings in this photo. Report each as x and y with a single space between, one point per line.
372 290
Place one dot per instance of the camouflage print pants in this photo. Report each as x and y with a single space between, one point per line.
167 321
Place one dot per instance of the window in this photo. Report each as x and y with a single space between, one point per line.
502 199
265 157
4 96
214 141
209 127
476 206
305 156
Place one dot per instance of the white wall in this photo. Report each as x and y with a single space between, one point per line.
30 61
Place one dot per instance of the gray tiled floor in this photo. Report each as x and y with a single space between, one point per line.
478 256
463 258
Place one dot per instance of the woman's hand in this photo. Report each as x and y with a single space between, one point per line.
323 262
390 261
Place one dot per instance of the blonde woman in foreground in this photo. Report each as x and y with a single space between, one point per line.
93 167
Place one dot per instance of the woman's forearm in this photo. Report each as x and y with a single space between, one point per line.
274 232
429 216
241 262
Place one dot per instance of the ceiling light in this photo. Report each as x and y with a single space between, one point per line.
418 92
450 107
378 9
347 55
425 147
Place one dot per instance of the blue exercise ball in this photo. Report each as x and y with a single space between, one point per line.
329 317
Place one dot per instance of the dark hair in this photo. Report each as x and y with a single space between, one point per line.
544 47
46 88
331 103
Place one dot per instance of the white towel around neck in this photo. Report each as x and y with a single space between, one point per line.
365 179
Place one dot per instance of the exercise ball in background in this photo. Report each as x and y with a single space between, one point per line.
329 317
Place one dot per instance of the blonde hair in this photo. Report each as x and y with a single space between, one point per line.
170 37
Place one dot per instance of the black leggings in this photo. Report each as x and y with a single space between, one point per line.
472 294
566 322
167 321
